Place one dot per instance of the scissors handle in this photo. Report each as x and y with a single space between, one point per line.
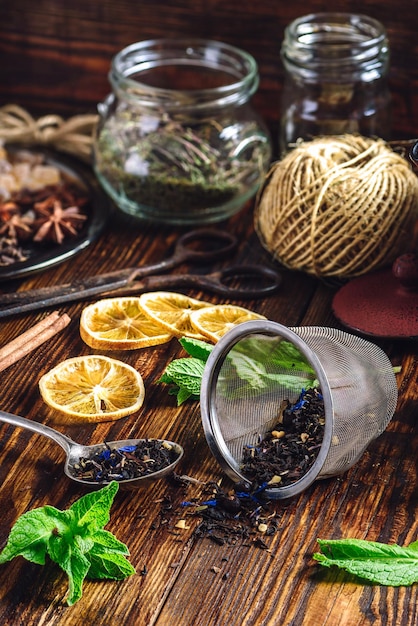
241 281
198 245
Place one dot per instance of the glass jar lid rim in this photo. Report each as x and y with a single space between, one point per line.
208 53
325 22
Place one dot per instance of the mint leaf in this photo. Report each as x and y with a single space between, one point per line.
184 394
92 511
107 557
165 378
260 365
263 365
389 565
29 536
105 540
112 565
74 539
76 567
185 373
288 356
74 562
252 372
196 348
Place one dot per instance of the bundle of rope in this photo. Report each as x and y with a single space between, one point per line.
338 206
74 136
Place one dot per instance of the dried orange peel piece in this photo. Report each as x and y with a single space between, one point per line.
172 312
93 388
215 321
120 324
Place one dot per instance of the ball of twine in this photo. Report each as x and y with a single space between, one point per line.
338 206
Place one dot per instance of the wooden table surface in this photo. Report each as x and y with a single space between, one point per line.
182 579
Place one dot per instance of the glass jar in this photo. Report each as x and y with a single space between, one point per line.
177 141
336 78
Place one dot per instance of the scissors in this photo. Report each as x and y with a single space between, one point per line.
200 245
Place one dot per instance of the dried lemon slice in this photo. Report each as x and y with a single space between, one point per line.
119 324
214 321
93 388
172 311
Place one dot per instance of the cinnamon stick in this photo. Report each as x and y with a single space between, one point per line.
32 338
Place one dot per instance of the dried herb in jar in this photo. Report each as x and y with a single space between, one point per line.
177 167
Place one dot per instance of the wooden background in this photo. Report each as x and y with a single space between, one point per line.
55 54
54 58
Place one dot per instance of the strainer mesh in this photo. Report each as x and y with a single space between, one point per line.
363 389
358 374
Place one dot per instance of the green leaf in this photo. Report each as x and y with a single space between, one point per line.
74 539
92 511
107 557
30 534
111 565
76 565
389 565
165 378
184 394
196 348
260 365
186 373
288 356
106 540
252 372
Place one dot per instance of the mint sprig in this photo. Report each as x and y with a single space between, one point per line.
250 361
379 563
74 539
184 375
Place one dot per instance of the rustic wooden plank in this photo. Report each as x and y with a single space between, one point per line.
374 500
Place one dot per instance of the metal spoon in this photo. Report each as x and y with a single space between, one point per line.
75 451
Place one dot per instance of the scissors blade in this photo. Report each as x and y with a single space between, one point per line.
36 299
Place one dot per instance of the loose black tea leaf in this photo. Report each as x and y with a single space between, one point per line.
287 452
232 517
144 458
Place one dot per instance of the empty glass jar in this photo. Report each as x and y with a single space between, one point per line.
177 141
336 78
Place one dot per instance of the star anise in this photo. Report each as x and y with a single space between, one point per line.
54 222
17 226
7 209
10 252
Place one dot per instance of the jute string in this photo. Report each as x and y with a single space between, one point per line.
74 136
338 206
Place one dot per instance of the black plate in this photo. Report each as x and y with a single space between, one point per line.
97 209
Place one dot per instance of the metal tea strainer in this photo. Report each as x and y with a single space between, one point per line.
258 365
